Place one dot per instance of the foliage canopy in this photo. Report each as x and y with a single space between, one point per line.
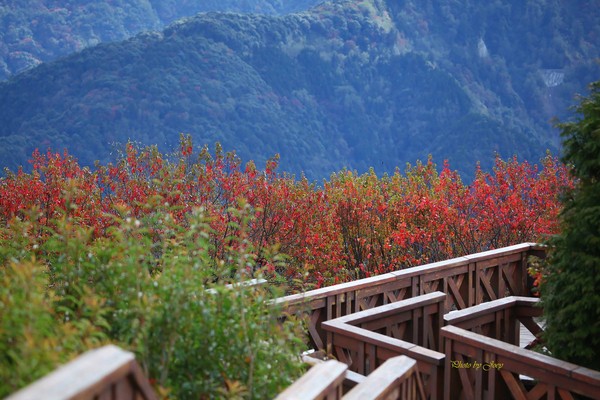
125 253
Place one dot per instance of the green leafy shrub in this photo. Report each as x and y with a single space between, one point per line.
151 286
33 339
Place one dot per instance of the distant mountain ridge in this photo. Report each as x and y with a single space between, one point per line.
354 84
36 31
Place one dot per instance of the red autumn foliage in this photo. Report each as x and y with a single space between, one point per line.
352 226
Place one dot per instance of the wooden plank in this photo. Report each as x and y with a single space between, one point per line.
465 378
451 375
403 318
472 287
565 395
538 391
352 378
528 331
124 389
436 267
313 331
455 291
492 389
507 274
246 283
454 317
517 390
321 293
393 308
385 381
83 378
587 375
380 288
320 382
142 385
106 394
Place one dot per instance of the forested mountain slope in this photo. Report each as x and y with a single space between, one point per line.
35 31
347 84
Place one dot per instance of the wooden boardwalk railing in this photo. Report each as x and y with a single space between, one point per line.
478 367
416 320
107 373
397 379
499 319
366 339
322 381
467 281
350 380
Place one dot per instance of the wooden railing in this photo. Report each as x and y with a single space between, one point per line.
322 381
365 340
499 319
107 373
397 379
350 380
249 283
478 367
416 320
467 281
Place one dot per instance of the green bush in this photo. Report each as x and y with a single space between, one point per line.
145 287
33 339
570 289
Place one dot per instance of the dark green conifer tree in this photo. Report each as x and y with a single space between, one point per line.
571 291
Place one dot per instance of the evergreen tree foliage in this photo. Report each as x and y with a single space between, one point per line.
570 293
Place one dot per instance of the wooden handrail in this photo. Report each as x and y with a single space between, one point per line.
467 281
465 316
107 373
395 379
248 283
355 340
350 380
478 367
322 381
416 320
499 319
489 257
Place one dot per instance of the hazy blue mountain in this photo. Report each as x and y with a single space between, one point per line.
348 84
35 31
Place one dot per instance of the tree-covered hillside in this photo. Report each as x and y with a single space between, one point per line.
36 31
347 84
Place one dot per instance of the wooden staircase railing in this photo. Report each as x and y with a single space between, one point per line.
107 373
